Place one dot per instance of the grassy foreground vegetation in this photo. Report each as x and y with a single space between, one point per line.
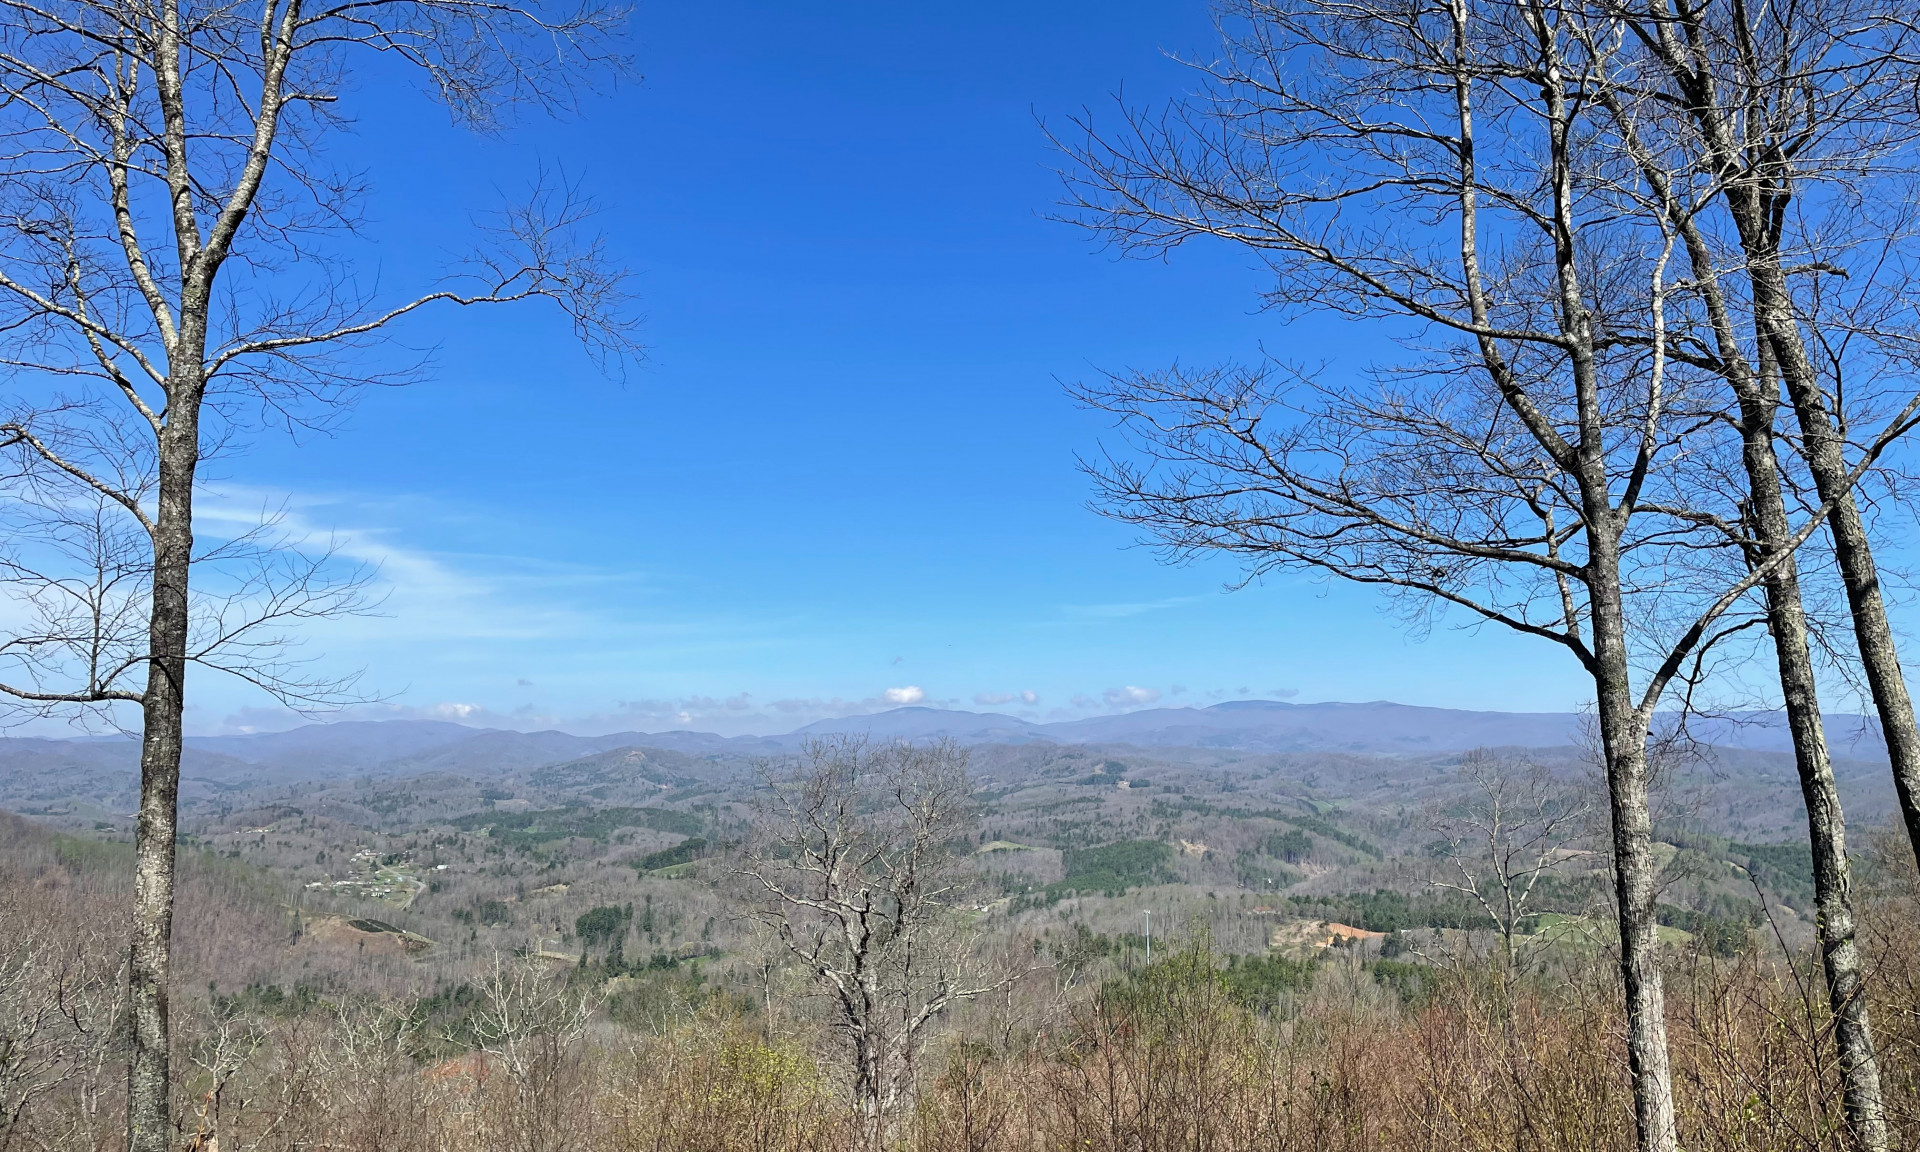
1180 1055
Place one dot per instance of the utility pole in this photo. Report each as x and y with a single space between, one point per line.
1149 935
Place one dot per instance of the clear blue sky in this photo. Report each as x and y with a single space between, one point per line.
847 465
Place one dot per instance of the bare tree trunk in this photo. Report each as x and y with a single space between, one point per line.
1623 726
1623 737
1766 540
1832 874
149 1121
1826 460
149 1111
1833 894
866 1089
1826 826
1879 655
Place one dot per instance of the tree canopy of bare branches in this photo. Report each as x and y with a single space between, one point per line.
60 1006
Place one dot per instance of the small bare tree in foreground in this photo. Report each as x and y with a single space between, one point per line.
1517 825
530 1020
856 861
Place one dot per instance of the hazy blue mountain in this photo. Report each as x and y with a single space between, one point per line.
44 770
917 723
96 775
496 750
1847 735
662 768
326 749
1274 726
1376 728
1249 725
708 744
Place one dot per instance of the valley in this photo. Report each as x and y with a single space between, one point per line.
422 850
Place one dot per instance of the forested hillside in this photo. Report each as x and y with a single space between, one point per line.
1309 904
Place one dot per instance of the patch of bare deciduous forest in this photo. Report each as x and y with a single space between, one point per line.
1340 1049
592 989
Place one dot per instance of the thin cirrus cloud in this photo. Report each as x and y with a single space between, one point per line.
452 617
1132 608
422 593
446 598
992 699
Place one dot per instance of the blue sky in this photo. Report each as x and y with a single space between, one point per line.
847 465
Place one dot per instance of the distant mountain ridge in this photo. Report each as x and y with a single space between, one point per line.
1378 728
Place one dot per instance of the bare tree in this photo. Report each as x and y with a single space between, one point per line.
166 278
523 1006
60 1007
530 1020
1683 181
231 1040
855 864
1516 827
1555 455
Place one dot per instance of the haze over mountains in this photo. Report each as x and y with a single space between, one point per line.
409 747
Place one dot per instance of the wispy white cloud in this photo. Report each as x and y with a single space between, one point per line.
451 617
994 699
497 639
1134 608
423 593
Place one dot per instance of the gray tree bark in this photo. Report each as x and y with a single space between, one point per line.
1826 825
1624 724
1623 739
1824 449
1766 537
149 1125
1758 176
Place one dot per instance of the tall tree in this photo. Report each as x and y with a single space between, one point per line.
1545 462
165 270
1798 124
1679 187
